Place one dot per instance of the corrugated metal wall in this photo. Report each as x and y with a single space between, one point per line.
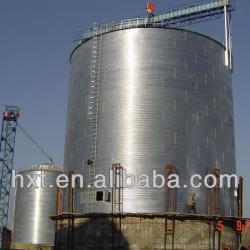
165 96
34 204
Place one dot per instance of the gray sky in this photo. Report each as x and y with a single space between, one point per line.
35 43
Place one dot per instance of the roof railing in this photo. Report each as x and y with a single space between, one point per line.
173 18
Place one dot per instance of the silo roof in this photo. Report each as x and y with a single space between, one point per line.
50 167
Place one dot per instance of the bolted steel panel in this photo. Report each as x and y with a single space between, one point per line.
34 205
164 96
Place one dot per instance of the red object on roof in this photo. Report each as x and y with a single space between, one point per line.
151 6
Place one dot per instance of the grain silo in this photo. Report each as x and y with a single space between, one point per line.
33 206
164 95
147 97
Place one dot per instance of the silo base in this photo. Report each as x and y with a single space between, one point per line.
29 246
144 231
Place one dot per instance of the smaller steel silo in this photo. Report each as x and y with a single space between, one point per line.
34 204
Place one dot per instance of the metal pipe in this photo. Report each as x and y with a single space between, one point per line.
230 42
70 193
226 34
240 197
58 201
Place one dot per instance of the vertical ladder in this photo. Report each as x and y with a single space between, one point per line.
117 205
93 102
169 233
117 190
170 206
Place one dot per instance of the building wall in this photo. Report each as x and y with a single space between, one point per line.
142 233
165 96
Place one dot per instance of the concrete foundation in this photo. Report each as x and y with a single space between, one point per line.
29 246
143 233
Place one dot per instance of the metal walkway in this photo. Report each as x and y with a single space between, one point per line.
171 19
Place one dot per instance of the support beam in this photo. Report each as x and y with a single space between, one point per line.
228 38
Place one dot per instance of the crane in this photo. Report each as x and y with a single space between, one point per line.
7 145
10 124
176 18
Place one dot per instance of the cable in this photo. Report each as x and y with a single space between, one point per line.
35 143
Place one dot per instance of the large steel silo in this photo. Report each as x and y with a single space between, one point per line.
163 96
34 205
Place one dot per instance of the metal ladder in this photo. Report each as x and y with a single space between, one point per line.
117 189
169 233
93 102
117 205
170 207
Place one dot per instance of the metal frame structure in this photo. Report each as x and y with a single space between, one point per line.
93 105
117 190
240 203
70 235
117 203
58 207
216 196
227 220
70 194
228 37
7 145
174 19
240 197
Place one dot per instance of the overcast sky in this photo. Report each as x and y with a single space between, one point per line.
35 43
